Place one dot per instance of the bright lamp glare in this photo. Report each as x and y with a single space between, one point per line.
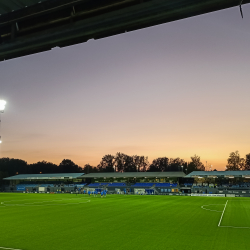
0 141
2 105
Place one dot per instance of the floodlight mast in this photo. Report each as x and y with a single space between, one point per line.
2 107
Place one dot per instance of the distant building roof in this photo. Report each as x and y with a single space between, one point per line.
134 175
45 176
219 174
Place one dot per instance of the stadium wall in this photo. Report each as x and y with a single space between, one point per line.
36 190
236 192
209 195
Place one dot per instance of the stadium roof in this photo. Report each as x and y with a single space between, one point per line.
33 26
45 176
224 174
7 6
134 175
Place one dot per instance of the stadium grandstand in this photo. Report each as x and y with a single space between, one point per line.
199 183
228 183
60 182
116 182
135 182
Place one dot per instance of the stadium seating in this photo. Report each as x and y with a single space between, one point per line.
94 185
188 184
97 184
117 184
44 185
80 185
143 184
21 187
234 186
166 185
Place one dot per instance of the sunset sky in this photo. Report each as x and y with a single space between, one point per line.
173 90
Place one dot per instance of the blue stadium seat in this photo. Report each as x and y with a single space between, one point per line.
117 184
143 184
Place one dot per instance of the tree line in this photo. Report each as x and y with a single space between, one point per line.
109 163
10 167
119 162
126 163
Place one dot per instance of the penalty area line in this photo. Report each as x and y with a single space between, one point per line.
236 227
222 213
203 207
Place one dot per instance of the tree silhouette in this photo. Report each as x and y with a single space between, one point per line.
141 163
247 162
196 161
13 166
43 167
159 165
175 164
68 166
89 169
235 162
107 164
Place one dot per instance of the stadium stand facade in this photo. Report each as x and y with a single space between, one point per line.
60 182
129 182
228 183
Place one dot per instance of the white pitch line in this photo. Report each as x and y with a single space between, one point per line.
222 213
203 207
9 248
41 203
236 227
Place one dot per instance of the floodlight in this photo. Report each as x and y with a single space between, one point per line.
0 141
2 105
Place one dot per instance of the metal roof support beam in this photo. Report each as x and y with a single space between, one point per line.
98 20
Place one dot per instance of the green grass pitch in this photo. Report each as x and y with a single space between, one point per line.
119 222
